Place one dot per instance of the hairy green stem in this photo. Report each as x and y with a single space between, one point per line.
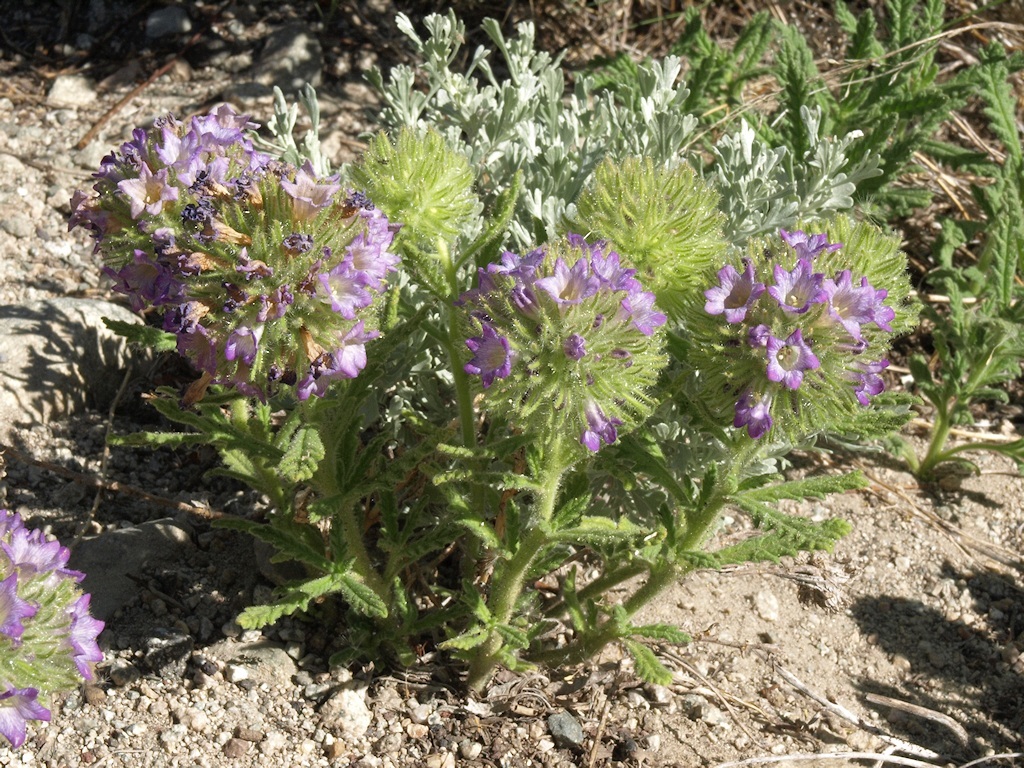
661 574
507 585
936 452
361 563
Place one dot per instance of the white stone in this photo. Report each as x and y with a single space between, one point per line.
767 605
235 673
71 91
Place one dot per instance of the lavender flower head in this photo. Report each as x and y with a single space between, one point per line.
264 272
563 338
786 337
47 636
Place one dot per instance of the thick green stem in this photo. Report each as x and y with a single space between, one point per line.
463 399
662 574
936 453
508 582
361 562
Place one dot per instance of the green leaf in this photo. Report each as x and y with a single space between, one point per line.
597 531
811 487
136 333
513 636
646 663
362 599
667 632
786 540
467 641
302 456
299 542
158 439
294 600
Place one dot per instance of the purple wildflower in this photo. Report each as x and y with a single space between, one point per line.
639 308
13 608
368 251
199 348
83 633
9 521
343 362
796 291
852 306
808 246
242 343
736 293
29 551
570 285
575 347
345 289
866 379
758 335
149 192
492 357
599 427
309 194
754 413
610 272
17 707
297 243
787 360
145 282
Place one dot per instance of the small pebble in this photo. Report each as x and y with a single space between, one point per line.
235 748
565 730
235 673
470 750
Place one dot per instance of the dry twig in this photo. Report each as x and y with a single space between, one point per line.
928 714
841 711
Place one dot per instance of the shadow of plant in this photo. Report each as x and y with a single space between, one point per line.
58 357
964 663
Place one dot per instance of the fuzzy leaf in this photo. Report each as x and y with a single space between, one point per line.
646 663
667 632
136 333
302 456
467 641
363 599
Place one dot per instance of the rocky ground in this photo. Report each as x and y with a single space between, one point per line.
918 658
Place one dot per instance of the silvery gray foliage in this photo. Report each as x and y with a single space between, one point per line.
282 128
526 121
766 188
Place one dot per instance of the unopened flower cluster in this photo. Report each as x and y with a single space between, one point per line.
266 274
47 636
565 337
794 334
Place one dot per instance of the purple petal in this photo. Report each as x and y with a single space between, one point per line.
754 414
492 357
787 360
17 707
13 608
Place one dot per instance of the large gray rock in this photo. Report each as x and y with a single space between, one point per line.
56 358
264 661
110 560
291 58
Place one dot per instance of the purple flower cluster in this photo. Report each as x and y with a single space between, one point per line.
47 637
576 324
795 321
267 274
